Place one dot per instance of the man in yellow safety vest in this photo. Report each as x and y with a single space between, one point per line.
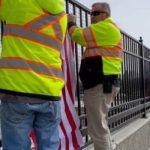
100 69
30 72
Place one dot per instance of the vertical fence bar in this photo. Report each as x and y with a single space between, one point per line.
67 6
77 68
143 77
86 23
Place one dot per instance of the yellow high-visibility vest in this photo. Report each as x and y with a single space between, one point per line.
33 36
102 39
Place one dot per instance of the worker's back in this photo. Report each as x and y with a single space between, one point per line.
33 35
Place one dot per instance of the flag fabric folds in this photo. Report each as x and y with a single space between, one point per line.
70 135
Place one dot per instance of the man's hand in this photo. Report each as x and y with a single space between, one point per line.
71 23
71 18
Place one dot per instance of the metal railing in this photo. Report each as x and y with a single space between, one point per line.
133 101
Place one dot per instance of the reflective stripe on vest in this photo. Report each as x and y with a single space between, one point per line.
31 66
44 20
88 36
57 28
106 52
28 34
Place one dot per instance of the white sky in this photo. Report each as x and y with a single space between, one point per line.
132 16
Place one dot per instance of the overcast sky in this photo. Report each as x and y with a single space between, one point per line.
132 16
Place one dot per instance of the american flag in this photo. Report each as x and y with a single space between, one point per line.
70 136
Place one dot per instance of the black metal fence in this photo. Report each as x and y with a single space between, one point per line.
133 101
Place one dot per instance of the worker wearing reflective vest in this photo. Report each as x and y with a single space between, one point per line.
100 69
30 71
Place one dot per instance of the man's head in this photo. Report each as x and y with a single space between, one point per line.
99 12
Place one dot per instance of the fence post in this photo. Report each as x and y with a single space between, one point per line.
143 77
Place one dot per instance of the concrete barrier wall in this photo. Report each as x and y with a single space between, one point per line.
135 136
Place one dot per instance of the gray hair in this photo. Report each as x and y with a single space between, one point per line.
105 6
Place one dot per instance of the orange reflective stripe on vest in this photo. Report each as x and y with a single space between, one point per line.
31 35
46 20
89 38
31 66
102 51
56 28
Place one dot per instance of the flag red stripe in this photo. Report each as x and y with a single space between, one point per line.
75 141
66 137
71 121
67 111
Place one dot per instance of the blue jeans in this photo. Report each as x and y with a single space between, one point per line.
17 120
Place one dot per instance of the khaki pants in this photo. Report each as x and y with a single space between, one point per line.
97 106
